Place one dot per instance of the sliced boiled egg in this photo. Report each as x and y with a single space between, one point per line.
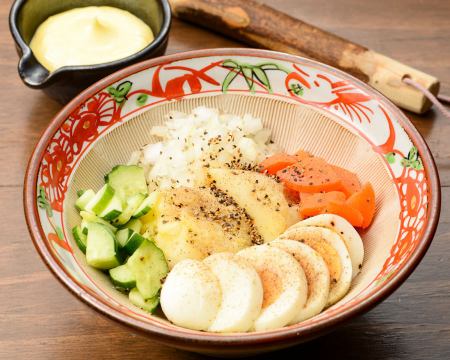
284 285
191 295
317 276
242 293
346 231
333 251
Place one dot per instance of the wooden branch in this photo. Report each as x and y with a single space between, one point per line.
262 26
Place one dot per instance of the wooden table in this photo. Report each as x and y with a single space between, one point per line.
39 319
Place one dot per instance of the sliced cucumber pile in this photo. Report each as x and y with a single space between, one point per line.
110 235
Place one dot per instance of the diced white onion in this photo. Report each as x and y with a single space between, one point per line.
205 138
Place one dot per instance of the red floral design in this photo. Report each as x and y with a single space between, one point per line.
174 88
55 169
81 126
413 191
63 243
347 99
84 123
388 146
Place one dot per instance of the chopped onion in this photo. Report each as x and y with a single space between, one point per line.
205 138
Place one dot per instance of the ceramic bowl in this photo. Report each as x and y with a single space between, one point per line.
308 105
64 83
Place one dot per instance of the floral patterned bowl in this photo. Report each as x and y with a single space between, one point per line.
307 105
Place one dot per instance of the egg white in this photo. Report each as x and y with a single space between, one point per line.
346 231
191 295
242 293
317 276
334 252
284 285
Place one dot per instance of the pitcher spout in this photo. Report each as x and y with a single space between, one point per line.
32 72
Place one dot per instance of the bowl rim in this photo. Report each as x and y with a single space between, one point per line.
26 51
199 339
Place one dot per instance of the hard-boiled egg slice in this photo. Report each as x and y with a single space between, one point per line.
334 252
242 293
191 295
284 285
317 276
346 231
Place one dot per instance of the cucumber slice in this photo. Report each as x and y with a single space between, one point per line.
149 266
132 204
122 277
113 210
133 243
135 225
123 235
84 199
89 217
129 240
127 180
137 299
101 200
101 249
80 238
80 192
146 205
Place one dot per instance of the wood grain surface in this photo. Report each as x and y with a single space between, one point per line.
39 319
